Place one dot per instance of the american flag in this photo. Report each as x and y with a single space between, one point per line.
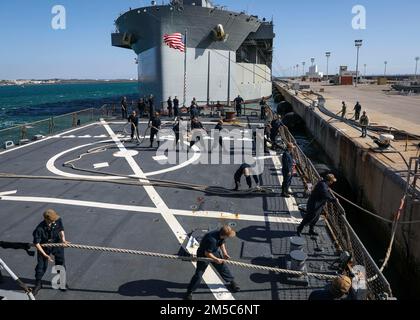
174 41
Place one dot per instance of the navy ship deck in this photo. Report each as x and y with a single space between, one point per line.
151 219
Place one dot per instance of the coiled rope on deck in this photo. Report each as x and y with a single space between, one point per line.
189 258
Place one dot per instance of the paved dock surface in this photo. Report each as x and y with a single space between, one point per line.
384 110
149 219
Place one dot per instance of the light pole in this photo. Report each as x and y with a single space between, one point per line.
417 63
297 68
358 44
328 55
303 67
365 65
385 63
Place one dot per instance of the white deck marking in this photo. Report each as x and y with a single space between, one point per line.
233 216
79 203
290 202
125 153
48 138
69 137
5 196
160 158
6 193
101 165
210 277
53 169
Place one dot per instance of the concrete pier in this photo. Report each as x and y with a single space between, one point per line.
378 179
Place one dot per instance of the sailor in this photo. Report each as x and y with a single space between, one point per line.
245 170
213 246
269 115
262 107
194 112
320 196
267 140
343 110
219 127
364 122
238 104
151 103
124 108
357 111
337 290
176 130
51 230
155 123
276 124
176 106
170 107
195 125
141 106
134 120
288 164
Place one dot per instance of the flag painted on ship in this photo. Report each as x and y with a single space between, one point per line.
174 41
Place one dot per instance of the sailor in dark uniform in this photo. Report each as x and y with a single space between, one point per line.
337 290
176 107
238 103
141 106
219 127
170 107
134 120
195 125
287 162
213 247
151 103
320 196
262 106
51 230
124 108
245 169
155 123
276 124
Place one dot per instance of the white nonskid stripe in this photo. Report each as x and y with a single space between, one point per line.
238 217
79 203
101 165
290 202
48 138
5 196
210 277
6 193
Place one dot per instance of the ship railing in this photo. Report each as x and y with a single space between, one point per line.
342 232
22 134
250 109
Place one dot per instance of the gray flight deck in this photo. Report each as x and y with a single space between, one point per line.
92 213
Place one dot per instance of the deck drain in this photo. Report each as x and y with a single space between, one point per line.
194 207
232 224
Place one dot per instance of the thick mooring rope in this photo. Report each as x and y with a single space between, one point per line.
189 258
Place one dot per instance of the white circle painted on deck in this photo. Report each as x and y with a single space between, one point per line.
53 169
125 153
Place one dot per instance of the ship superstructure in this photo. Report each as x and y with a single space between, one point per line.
228 53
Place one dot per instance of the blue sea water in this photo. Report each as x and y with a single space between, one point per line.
23 104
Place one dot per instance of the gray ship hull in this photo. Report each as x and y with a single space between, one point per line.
210 76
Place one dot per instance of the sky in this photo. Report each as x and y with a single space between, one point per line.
31 48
